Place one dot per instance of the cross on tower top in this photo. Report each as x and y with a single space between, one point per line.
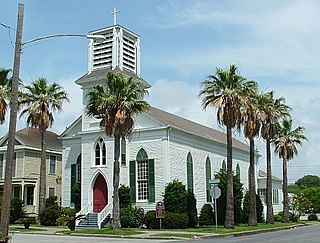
114 13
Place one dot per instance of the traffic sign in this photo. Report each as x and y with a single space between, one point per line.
215 192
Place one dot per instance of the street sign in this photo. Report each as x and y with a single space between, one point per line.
215 192
214 181
160 210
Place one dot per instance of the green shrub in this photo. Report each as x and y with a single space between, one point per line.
130 217
206 215
67 217
277 218
124 196
26 221
150 220
175 197
192 210
50 213
222 200
175 221
16 211
292 217
246 206
312 217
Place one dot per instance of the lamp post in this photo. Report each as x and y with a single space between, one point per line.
5 210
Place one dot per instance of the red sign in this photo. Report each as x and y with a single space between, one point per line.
160 210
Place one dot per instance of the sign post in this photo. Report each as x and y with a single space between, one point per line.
215 192
160 211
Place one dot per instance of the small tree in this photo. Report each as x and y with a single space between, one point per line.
76 196
175 197
124 196
206 215
16 209
246 205
50 213
192 210
222 200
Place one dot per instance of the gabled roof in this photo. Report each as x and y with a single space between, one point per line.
31 137
194 128
263 174
100 73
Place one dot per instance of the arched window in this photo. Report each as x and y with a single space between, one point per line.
224 167
123 152
189 173
208 178
142 179
100 153
238 170
142 174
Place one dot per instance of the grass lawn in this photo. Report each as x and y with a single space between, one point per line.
183 233
238 228
105 231
20 228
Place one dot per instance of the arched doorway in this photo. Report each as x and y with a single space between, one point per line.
100 194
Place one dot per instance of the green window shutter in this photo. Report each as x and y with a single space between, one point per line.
151 181
189 173
73 179
208 178
132 171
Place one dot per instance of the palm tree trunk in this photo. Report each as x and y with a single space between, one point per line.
270 219
43 170
252 188
285 192
116 179
229 220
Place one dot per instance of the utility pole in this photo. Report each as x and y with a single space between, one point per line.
5 211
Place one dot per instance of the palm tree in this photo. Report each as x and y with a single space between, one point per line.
115 103
226 90
4 93
39 100
273 109
286 147
251 128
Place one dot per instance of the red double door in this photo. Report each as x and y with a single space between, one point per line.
100 194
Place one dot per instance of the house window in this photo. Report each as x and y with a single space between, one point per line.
142 180
123 152
208 178
1 165
224 167
189 173
78 169
16 191
142 175
100 153
14 167
52 164
275 196
262 193
238 170
51 192
30 194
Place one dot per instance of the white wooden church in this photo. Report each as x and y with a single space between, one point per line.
163 146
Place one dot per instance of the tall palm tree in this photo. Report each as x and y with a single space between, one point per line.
251 128
225 90
39 100
273 109
115 103
286 147
4 93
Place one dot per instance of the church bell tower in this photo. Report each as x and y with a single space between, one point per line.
121 49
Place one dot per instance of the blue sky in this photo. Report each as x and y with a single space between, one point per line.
275 42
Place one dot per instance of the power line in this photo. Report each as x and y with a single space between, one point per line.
9 32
